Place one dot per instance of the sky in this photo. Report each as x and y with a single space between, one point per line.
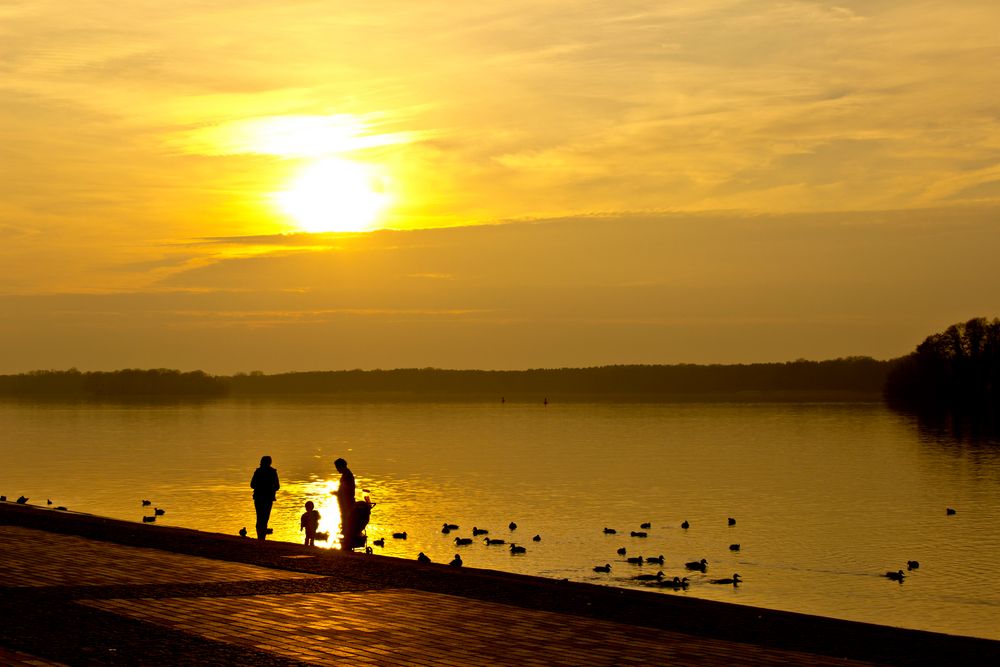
318 185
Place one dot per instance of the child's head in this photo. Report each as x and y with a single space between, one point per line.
309 506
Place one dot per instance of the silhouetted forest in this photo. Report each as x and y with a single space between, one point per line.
128 383
856 378
957 370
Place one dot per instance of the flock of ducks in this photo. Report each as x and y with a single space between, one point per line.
157 511
447 528
660 579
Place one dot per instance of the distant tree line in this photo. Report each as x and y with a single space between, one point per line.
835 379
956 370
839 379
127 383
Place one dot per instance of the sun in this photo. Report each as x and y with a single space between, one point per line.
334 195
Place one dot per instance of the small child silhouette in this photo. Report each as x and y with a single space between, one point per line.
310 522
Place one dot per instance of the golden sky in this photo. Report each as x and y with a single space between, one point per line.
556 183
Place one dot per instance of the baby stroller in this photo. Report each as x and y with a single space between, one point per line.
353 525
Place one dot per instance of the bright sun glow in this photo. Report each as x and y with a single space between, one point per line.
334 195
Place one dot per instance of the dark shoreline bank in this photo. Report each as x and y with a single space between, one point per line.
785 630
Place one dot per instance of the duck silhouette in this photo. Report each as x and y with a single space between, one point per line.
734 580
639 533
894 576
476 532
655 559
700 565
147 503
676 583
48 501
380 542
950 511
463 541
635 560
493 542
514 549
445 529
536 538
732 521
159 512
685 525
399 536
646 525
22 500
649 577
512 525
603 568
610 531
912 565
423 558
734 547
243 531
622 551
451 526
148 519
456 561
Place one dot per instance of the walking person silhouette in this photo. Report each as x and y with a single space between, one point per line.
265 488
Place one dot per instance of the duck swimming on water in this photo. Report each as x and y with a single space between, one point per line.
700 565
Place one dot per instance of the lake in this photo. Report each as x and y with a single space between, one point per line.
826 497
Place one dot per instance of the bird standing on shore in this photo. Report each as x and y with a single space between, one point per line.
243 531
423 558
456 561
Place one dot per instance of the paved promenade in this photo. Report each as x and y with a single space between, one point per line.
76 589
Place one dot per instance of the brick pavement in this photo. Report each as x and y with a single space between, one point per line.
38 558
131 604
408 627
378 627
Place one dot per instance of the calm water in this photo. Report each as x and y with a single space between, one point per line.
826 497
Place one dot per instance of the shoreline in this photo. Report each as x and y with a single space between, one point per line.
703 618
